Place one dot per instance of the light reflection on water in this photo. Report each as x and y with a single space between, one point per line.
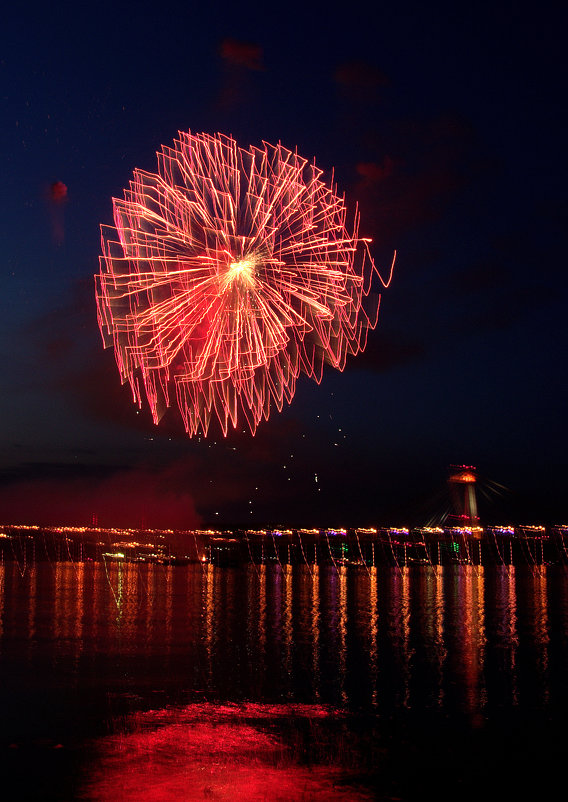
215 752
200 682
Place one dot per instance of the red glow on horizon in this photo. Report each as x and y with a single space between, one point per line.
137 497
227 274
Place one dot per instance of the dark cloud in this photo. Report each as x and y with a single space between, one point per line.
483 276
517 277
373 172
62 329
241 54
495 311
555 212
70 350
240 60
387 350
359 81
414 170
94 386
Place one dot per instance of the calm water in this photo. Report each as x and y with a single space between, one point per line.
128 682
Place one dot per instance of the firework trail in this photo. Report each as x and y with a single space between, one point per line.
227 274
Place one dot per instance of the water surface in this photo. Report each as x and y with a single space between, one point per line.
125 681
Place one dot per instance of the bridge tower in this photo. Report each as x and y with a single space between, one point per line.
462 481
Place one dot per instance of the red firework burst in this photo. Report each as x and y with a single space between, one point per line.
227 274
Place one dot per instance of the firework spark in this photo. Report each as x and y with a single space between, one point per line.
227 274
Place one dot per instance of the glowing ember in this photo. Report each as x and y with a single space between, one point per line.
228 273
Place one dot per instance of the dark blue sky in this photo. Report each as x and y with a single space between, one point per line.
446 125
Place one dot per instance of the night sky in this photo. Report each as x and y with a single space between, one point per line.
444 121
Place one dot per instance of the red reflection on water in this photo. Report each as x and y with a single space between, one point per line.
213 752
